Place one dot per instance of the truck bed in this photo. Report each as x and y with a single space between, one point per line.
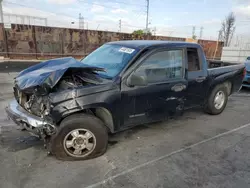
219 63
228 71
225 69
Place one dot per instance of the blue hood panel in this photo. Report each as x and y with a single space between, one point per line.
48 73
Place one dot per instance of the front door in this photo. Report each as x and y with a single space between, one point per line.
165 90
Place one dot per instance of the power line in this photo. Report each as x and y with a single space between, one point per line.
139 14
175 31
13 3
109 7
105 6
24 18
69 16
134 26
126 3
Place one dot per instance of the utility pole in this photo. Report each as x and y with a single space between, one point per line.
147 16
201 32
193 32
81 21
1 11
97 26
237 41
120 25
154 30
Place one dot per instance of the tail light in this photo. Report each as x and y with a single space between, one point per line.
244 73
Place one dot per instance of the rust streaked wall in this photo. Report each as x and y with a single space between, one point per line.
19 39
2 41
209 48
39 42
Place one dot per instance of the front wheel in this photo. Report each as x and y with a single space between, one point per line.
217 100
80 137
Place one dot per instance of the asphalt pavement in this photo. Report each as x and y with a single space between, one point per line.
195 150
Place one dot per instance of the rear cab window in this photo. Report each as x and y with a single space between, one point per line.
194 63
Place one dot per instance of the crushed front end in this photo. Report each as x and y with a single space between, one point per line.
31 108
34 124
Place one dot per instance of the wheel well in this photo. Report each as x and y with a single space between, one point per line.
102 113
228 85
105 115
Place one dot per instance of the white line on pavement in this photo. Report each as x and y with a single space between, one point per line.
166 156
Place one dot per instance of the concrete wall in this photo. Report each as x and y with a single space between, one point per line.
235 54
39 42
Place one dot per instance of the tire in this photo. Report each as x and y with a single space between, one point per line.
73 130
210 106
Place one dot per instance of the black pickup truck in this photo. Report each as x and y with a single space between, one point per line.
73 105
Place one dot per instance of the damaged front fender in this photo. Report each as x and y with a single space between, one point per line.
79 99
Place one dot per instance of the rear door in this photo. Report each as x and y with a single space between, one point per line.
197 78
165 92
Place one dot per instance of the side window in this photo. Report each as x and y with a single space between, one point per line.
162 66
193 59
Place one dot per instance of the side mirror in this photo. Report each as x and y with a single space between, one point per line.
136 80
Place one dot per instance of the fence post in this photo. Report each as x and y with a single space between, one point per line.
5 40
62 35
34 39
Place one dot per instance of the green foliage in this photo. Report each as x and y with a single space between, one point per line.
194 37
141 32
138 32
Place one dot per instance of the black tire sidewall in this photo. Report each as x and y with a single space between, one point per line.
210 105
77 121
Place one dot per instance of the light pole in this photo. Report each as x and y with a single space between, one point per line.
1 10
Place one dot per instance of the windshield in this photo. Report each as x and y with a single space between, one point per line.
111 57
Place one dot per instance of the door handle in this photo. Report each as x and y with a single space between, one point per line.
200 79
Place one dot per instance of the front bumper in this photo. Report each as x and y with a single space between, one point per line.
26 120
246 81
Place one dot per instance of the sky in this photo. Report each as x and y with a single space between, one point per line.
167 17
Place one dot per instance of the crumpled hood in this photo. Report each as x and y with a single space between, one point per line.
48 73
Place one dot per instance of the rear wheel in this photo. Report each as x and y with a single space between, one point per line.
80 137
217 100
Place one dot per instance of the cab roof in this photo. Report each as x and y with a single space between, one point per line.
149 43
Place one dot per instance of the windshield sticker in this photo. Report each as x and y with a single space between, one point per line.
126 50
